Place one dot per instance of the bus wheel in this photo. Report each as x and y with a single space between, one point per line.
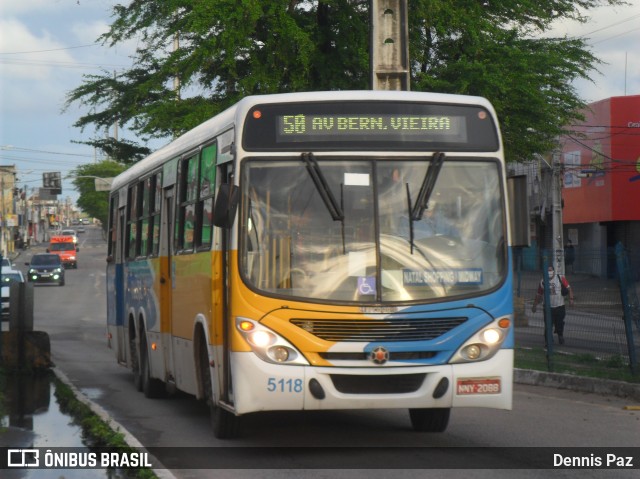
225 424
430 420
151 387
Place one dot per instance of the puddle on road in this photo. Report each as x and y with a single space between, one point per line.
30 416
92 393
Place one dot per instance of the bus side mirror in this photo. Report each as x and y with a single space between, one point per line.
224 210
518 210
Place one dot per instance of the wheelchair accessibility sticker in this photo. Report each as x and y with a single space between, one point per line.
366 286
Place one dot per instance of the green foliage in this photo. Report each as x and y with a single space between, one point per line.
96 433
196 58
582 364
121 151
95 203
494 49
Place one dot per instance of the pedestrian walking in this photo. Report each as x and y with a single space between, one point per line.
558 288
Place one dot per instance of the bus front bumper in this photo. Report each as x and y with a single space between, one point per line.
262 386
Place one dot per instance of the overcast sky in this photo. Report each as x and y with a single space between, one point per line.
47 45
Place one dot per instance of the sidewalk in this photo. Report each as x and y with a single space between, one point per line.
603 387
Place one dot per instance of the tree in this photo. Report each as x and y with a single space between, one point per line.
95 203
218 51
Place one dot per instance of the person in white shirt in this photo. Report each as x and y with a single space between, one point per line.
556 300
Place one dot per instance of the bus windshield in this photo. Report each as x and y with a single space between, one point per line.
373 251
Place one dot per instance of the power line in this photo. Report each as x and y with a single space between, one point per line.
612 164
633 17
599 126
615 36
49 63
17 148
41 160
49 50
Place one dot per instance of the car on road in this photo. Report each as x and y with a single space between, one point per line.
8 276
6 263
71 233
64 247
46 268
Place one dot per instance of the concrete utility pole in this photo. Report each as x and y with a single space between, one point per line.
389 51
557 243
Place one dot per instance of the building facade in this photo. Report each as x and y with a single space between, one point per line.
601 181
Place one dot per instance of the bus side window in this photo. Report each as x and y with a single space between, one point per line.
132 222
154 222
187 208
207 190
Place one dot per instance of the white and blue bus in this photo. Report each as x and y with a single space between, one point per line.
320 250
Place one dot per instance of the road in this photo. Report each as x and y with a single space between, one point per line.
353 442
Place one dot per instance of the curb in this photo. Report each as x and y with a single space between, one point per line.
129 438
604 387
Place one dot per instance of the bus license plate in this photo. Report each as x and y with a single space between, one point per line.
478 386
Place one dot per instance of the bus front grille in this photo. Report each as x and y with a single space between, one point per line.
385 384
368 330
365 356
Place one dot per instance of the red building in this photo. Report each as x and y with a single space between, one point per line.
601 187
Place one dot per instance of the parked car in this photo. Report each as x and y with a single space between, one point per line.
46 268
9 276
6 263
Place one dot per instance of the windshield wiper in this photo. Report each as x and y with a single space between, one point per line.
410 218
335 210
428 183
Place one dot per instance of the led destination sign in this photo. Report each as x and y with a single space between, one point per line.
432 127
363 125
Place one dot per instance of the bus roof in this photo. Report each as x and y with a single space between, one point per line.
209 129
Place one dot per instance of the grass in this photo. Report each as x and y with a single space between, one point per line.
588 365
95 431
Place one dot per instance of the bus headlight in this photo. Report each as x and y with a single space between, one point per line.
484 344
491 336
268 345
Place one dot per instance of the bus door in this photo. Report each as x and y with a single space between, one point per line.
120 313
223 356
166 279
115 283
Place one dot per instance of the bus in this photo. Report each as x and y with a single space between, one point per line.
319 250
